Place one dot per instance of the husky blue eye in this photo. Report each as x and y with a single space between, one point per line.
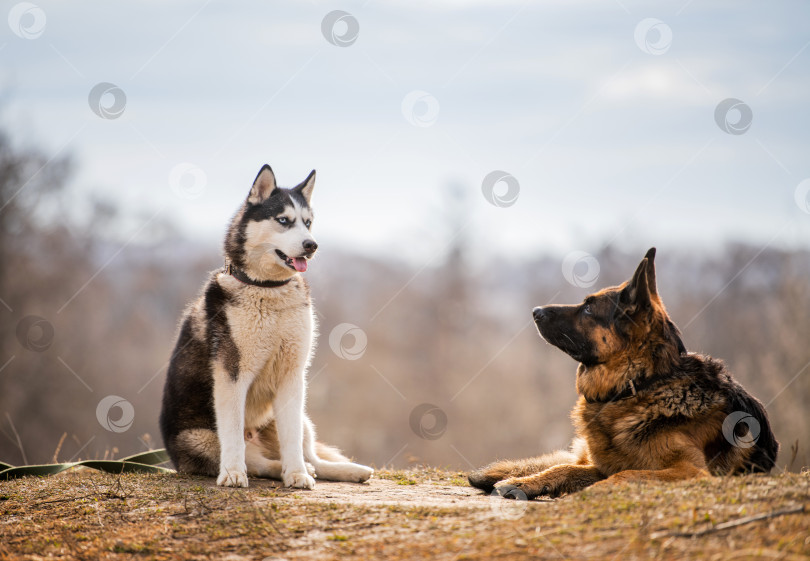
282 219
308 223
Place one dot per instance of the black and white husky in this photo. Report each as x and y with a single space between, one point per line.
233 404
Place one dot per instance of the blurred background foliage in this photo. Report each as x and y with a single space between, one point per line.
449 333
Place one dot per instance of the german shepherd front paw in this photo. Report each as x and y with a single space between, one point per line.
299 480
232 478
484 479
509 491
555 481
523 488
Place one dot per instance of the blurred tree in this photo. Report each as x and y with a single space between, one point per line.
442 333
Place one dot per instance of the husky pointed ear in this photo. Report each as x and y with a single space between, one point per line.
650 257
636 295
263 185
306 186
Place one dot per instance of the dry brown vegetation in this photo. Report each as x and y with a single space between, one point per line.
415 514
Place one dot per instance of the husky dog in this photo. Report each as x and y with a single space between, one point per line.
233 403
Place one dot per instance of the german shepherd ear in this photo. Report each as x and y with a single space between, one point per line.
650 257
263 185
306 186
636 295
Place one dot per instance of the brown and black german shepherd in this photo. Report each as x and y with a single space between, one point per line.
647 410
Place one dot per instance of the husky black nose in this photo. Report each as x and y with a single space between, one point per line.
539 313
310 246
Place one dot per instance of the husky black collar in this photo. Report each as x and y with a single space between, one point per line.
629 389
240 275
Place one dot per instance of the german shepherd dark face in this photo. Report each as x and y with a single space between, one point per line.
625 328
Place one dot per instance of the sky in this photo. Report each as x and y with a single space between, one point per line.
560 126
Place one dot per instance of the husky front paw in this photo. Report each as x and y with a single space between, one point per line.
299 480
232 478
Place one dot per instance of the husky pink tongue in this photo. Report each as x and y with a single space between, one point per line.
300 264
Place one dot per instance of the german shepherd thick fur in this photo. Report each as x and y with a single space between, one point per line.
647 409
233 403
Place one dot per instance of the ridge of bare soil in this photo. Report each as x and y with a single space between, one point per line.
422 513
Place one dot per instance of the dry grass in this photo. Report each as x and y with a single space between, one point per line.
417 514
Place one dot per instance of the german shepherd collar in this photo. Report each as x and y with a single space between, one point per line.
628 390
240 275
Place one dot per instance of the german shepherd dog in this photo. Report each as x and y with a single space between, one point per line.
647 409
233 403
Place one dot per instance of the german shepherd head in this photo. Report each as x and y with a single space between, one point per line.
269 238
619 334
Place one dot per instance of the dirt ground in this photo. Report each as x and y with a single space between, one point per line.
415 514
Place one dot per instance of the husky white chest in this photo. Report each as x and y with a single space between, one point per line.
273 331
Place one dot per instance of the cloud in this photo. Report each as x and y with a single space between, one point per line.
557 94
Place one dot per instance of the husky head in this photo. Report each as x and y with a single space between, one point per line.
269 237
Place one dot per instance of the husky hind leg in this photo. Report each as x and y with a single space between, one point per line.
258 464
328 462
196 452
